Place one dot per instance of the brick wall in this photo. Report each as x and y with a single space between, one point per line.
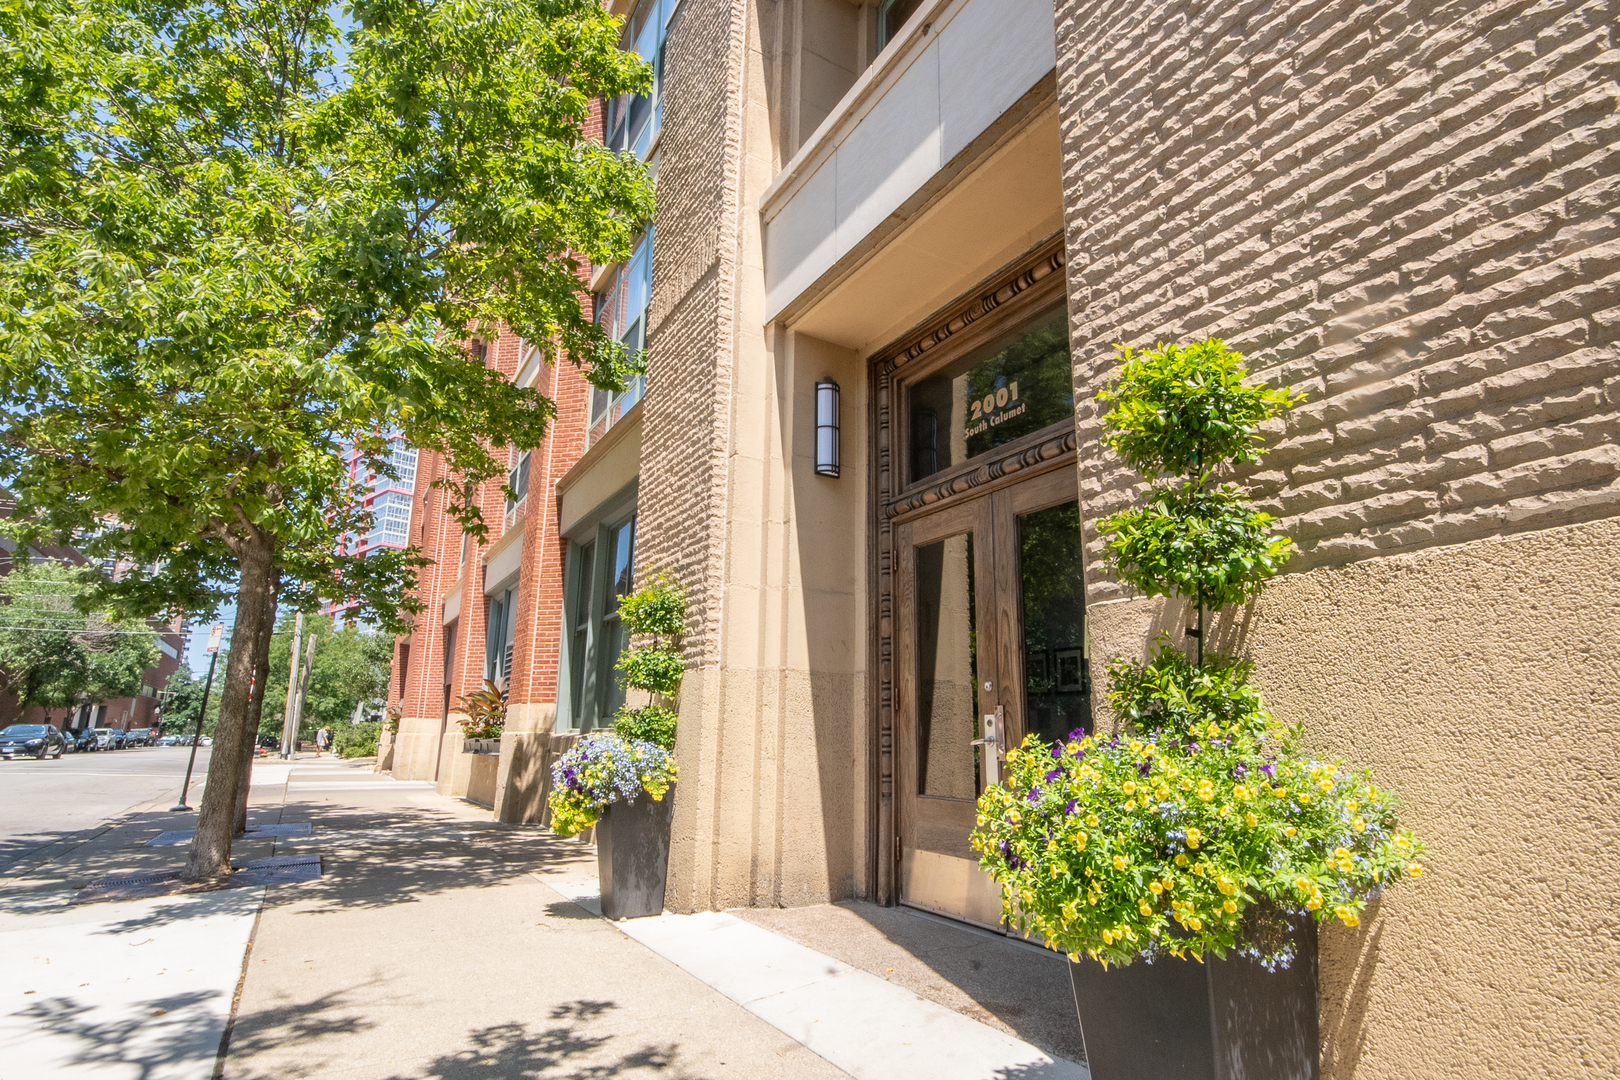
687 407
1407 210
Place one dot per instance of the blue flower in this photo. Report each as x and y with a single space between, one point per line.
1034 795
1053 775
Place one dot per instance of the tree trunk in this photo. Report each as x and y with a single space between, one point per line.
261 673
210 856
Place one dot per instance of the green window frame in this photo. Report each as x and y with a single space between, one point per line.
600 571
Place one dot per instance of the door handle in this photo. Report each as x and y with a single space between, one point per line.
993 726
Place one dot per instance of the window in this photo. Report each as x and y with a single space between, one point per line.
621 312
517 478
498 630
601 573
1017 384
631 121
892 15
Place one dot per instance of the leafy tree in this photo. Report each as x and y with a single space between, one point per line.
183 696
53 654
237 234
1184 410
351 666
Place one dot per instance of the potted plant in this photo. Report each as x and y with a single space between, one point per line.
485 710
1183 862
599 782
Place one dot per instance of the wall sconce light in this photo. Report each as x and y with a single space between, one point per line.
827 428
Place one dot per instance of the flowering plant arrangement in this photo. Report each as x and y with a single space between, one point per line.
1202 825
486 711
605 768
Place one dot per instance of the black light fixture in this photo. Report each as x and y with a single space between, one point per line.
826 428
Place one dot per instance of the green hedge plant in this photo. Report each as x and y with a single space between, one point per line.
1201 826
655 614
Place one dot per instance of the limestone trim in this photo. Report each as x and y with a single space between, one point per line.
1017 289
600 449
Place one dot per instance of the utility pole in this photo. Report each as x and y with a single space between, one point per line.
303 687
289 734
213 658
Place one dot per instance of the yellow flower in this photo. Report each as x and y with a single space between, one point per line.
1144 907
1119 862
1194 838
1279 792
1240 792
1358 825
1290 831
1229 907
1304 796
1314 902
1302 883
1326 785
1091 819
1250 820
1012 816
1080 841
1206 790
1402 844
1129 787
1181 860
1155 888
1226 810
1130 804
1351 805
1415 869
1340 852
1224 884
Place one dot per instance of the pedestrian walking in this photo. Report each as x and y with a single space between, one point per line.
323 737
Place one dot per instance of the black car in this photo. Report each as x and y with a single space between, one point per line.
35 740
139 736
84 739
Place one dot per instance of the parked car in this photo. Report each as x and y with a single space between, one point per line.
106 738
85 740
35 740
141 736
169 740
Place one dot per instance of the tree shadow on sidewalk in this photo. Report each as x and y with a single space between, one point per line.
511 1050
153 1036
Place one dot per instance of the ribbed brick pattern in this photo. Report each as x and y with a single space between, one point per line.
1406 210
682 498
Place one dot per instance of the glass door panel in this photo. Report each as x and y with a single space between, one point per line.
1052 605
947 684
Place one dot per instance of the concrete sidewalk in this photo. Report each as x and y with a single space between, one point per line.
438 943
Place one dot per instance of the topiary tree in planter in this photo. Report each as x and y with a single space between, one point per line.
1201 829
600 780
656 611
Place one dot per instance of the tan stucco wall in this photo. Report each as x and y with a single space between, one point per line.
1481 682
416 748
1406 212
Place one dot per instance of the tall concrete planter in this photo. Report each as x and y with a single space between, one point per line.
632 856
1217 1020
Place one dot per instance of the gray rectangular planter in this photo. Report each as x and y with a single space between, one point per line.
1217 1020
481 746
632 856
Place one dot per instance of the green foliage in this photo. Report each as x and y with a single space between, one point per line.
182 697
656 668
485 710
356 740
1171 694
1135 848
658 607
217 269
1196 829
650 723
1184 409
352 665
56 650
1207 544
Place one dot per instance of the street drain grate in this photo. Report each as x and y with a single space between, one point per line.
276 870
254 832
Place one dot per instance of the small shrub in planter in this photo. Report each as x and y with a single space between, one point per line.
599 782
1202 828
485 710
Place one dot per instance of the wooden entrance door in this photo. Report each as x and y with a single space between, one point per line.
990 648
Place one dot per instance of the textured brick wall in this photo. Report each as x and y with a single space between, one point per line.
682 498
1407 210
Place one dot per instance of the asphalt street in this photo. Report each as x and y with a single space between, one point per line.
46 802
